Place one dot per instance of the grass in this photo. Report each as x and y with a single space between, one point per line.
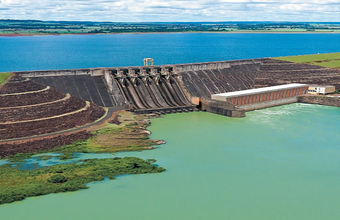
129 135
16 184
4 77
331 60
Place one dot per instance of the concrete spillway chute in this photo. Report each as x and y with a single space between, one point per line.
145 79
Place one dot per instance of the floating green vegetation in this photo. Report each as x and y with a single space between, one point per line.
16 184
4 77
44 157
19 157
331 60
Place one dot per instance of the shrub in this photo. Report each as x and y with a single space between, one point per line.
57 178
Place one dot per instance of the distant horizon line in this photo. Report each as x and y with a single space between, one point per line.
279 21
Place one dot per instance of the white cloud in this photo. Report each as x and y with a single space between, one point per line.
173 10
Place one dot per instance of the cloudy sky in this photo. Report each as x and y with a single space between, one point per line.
172 10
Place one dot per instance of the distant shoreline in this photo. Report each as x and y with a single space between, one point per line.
183 32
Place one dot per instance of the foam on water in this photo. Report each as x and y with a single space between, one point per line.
273 116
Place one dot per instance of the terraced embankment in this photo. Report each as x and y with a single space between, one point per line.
30 109
276 72
86 87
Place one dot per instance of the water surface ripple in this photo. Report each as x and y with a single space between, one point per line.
281 163
87 51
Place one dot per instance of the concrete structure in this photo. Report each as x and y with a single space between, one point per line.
320 90
253 99
221 108
148 62
181 87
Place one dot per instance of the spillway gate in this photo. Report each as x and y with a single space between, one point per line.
151 89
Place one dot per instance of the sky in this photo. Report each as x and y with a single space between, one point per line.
172 10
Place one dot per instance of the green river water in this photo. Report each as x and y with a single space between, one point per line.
281 163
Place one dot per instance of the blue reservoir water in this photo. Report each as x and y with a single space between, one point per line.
76 51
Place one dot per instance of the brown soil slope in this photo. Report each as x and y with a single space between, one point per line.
28 108
276 72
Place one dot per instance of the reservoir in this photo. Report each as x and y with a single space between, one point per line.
117 50
280 163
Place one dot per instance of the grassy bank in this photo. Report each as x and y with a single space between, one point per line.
4 77
131 135
16 184
126 132
326 60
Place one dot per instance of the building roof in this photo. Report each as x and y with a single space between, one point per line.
260 90
321 86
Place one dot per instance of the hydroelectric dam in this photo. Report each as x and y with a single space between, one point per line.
185 87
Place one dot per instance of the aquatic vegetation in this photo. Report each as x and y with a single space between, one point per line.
44 157
16 184
19 157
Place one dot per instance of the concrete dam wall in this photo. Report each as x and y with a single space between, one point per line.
178 87
160 87
233 76
151 90
139 89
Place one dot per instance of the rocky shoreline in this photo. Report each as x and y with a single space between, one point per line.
320 100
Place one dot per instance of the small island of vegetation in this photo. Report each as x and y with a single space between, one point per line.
17 184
